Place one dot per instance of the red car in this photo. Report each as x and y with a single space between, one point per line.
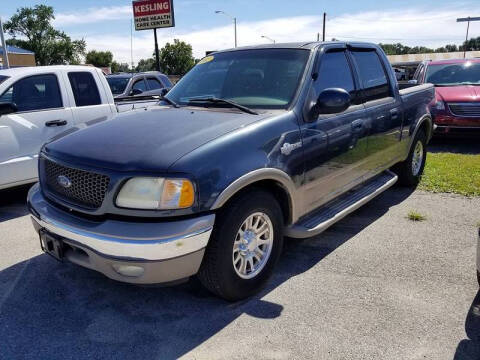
457 91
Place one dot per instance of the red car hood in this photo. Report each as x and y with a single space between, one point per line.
467 93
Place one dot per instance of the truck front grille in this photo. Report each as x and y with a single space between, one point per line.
73 185
465 109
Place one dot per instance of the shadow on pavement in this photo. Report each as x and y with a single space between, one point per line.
13 202
469 349
458 145
50 310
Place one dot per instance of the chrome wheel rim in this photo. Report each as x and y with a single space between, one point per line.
417 158
253 245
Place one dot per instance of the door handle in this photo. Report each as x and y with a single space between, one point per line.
56 123
357 124
394 114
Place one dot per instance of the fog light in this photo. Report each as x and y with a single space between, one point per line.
128 270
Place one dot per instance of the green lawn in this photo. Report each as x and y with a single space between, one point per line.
452 173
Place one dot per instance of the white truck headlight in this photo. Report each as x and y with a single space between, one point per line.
156 193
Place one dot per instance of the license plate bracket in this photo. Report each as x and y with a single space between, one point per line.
51 245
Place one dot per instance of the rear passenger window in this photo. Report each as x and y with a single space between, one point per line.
84 88
372 75
335 72
34 93
154 84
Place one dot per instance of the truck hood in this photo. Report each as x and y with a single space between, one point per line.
147 139
466 93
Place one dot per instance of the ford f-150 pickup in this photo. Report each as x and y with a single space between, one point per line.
253 144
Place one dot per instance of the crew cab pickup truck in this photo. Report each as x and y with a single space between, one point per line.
456 109
256 143
38 104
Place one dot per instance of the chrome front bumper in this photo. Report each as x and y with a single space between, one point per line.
167 251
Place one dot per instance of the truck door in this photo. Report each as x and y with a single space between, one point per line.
91 102
334 144
43 113
383 106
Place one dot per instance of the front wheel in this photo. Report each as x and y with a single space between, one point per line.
410 171
245 245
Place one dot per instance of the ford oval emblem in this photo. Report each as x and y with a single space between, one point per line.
64 181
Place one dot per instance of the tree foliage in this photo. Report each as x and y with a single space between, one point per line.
119 67
99 58
35 32
176 58
146 65
400 49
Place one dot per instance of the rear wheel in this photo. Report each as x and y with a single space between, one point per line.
245 245
410 171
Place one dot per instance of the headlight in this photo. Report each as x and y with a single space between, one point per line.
439 105
156 193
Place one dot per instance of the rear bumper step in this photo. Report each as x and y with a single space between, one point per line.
327 215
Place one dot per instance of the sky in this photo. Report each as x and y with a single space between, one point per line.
106 24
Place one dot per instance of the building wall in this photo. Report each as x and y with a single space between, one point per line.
432 56
20 59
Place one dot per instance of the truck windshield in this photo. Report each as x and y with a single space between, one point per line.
117 84
260 78
467 73
3 78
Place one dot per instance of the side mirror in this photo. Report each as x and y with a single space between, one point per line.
136 92
164 92
7 108
413 82
331 101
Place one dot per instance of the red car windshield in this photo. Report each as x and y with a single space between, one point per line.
467 73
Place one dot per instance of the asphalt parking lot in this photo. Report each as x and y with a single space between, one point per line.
374 286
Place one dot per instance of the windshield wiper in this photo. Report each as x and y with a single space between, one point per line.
171 102
223 101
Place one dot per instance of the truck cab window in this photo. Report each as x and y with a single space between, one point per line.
334 72
34 93
84 88
372 75
139 85
154 84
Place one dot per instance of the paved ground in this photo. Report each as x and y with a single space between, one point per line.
374 286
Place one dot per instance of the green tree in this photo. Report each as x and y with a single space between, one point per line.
472 44
145 65
176 58
119 67
451 48
51 46
99 58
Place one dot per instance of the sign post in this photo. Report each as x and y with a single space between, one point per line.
5 62
153 14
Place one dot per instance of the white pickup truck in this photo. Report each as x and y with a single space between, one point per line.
38 104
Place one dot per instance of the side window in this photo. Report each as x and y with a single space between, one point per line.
154 84
372 75
84 88
39 92
334 72
139 85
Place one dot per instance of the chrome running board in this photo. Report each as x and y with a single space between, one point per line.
328 214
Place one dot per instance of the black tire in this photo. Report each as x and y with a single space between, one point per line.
217 272
405 170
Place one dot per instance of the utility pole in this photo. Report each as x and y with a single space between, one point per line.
157 55
4 45
234 22
467 19
324 20
318 36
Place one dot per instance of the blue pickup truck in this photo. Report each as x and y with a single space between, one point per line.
252 145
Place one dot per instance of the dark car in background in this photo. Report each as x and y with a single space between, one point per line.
139 84
457 94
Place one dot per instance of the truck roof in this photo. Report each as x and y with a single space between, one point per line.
31 70
300 45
